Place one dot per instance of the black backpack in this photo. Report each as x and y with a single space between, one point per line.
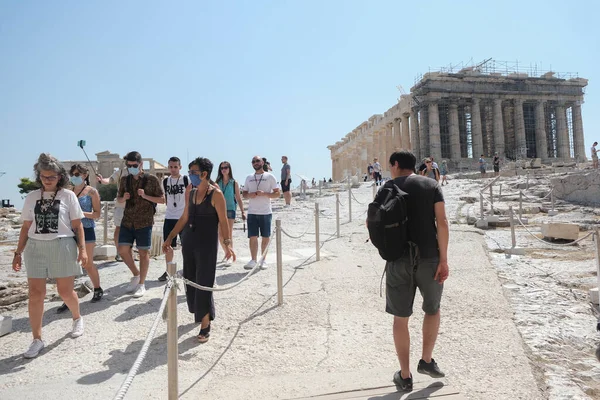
387 221
142 186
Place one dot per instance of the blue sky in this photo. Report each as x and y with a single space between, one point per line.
227 80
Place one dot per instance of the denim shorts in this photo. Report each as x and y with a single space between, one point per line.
142 237
230 214
167 228
259 225
90 235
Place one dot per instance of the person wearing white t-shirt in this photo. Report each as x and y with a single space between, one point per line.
259 188
174 187
51 219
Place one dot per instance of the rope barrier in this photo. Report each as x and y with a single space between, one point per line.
538 198
142 354
305 231
355 199
552 244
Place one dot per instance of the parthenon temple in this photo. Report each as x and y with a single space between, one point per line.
459 114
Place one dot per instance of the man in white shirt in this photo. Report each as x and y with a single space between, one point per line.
174 187
259 188
376 171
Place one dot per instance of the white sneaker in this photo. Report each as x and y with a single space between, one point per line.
77 329
140 291
251 264
34 349
133 284
264 265
227 263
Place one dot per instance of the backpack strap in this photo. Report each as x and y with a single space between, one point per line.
186 181
165 188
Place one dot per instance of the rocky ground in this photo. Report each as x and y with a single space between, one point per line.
512 328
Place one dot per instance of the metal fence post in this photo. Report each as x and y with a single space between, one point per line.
597 240
172 339
527 184
374 191
317 241
500 193
320 186
520 204
491 201
481 204
337 214
279 262
512 227
349 201
105 223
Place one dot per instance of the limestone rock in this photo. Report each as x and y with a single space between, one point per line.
582 188
560 231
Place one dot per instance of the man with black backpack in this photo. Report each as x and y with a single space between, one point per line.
174 187
411 209
140 192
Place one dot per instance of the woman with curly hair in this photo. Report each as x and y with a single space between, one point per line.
51 219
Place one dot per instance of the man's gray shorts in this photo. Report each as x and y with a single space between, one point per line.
403 277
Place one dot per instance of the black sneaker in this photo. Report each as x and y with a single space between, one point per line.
62 308
163 277
98 293
430 369
404 384
118 258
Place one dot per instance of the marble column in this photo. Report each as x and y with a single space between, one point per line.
476 135
397 134
375 145
405 133
382 144
578 142
435 145
414 130
499 128
562 132
541 142
454 132
423 133
520 139
389 148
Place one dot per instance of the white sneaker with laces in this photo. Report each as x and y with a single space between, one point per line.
251 264
34 349
264 265
77 329
140 291
133 284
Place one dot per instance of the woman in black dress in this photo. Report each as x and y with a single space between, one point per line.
205 209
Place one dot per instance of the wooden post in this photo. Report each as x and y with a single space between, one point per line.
317 241
374 190
279 262
481 204
527 184
597 240
491 200
500 193
320 186
520 204
105 223
512 227
172 339
337 214
349 201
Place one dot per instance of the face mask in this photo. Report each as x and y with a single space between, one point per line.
133 171
76 180
195 179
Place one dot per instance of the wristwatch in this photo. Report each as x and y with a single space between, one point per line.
18 253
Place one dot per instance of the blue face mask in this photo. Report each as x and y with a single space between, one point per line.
195 179
76 180
133 170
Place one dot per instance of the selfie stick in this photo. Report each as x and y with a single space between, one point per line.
81 143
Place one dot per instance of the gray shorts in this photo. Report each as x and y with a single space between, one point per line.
55 258
403 277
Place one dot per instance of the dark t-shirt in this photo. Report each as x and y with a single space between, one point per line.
496 161
423 193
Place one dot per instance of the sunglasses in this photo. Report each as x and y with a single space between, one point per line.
133 165
49 178
193 172
225 167
256 161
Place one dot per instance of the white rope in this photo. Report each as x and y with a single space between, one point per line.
552 244
355 199
538 198
224 288
304 233
142 354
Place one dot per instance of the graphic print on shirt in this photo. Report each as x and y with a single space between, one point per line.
46 221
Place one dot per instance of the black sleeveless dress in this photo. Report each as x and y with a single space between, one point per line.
199 249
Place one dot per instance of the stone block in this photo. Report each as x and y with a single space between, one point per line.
552 213
536 163
105 252
481 223
594 296
517 251
560 231
5 325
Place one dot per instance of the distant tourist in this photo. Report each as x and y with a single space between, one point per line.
115 179
51 219
233 198
286 180
313 183
376 172
370 170
89 200
444 172
140 192
430 171
174 187
266 165
482 165
423 266
433 163
204 214
260 188
330 180
496 164
594 156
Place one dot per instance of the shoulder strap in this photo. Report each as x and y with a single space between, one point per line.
185 181
192 193
128 186
165 187
144 180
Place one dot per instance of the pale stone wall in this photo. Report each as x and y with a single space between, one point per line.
583 188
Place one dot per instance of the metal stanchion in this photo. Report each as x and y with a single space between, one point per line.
337 214
320 186
500 193
172 339
105 223
512 227
491 200
481 204
279 262
374 190
349 201
527 184
520 204
317 241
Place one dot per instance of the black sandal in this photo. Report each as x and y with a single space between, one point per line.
204 334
